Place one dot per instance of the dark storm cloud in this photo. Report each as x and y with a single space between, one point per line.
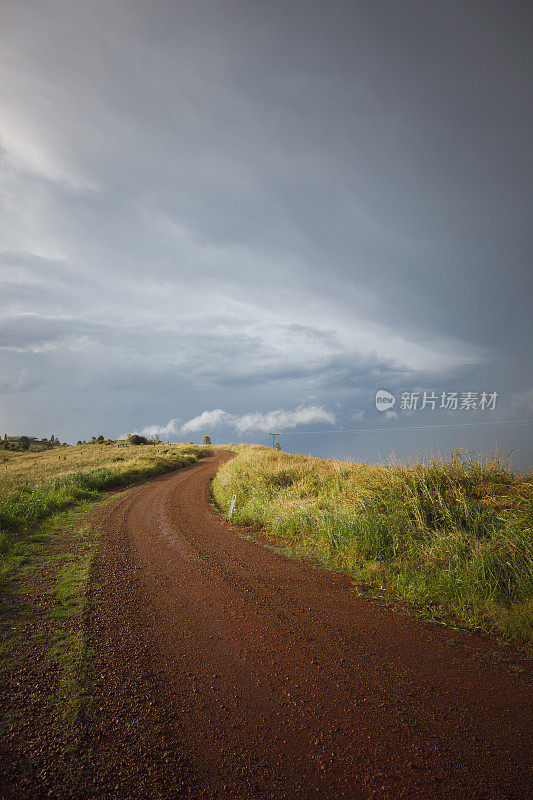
262 203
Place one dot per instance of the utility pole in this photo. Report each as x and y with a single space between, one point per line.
273 438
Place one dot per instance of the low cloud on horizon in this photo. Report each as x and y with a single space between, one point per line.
264 422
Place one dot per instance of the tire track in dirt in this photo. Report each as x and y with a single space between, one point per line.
224 669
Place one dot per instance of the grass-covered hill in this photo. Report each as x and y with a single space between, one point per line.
35 486
32 469
452 538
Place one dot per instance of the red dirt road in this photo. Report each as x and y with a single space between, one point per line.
226 670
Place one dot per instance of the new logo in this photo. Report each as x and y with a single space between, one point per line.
384 400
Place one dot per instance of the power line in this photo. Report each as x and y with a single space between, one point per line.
407 428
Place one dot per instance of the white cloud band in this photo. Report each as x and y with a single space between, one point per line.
277 420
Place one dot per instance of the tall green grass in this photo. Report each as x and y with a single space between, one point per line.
453 538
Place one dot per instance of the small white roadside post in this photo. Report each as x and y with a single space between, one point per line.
231 506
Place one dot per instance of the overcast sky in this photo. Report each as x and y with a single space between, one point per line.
259 213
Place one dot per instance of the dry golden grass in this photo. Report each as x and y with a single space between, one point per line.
33 469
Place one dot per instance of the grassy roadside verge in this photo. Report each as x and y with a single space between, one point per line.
451 539
46 556
23 508
44 660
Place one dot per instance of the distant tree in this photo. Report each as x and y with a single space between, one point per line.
93 439
100 439
135 438
79 441
190 442
207 439
277 446
24 443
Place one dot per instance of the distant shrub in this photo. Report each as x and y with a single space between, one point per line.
135 438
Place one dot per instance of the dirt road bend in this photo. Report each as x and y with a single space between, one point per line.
226 670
